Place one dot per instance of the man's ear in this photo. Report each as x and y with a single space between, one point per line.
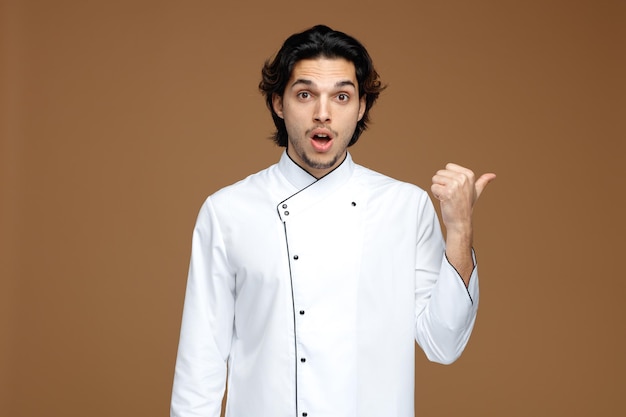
277 104
362 107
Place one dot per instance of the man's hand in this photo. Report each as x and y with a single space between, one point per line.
457 191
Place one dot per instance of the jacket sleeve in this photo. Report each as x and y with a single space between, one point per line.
445 308
207 323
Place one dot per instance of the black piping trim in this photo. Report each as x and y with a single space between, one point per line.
296 193
293 309
460 277
314 182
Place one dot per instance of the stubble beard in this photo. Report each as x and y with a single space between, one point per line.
320 164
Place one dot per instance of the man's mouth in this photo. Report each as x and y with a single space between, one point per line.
321 134
321 139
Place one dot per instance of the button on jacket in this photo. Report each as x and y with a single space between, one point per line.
310 295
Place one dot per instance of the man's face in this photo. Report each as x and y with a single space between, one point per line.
321 108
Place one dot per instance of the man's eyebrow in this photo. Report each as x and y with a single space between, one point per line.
310 83
302 81
345 83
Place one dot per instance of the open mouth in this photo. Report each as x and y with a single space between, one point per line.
321 140
321 137
321 134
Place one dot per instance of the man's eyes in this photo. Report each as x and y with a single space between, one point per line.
305 95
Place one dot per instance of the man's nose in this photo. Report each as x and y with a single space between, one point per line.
322 111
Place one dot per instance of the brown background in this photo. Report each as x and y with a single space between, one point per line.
119 118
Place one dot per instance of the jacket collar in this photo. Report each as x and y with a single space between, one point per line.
300 178
307 190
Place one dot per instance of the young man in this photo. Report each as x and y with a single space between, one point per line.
311 280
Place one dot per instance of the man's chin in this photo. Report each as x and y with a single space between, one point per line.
321 163
325 162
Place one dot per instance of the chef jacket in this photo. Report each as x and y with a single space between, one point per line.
307 295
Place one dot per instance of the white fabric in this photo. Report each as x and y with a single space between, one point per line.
311 294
